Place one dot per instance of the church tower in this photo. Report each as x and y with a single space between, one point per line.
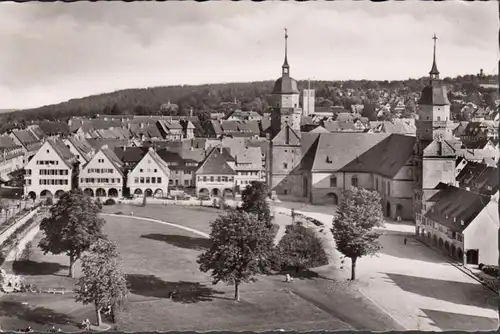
435 146
286 97
285 142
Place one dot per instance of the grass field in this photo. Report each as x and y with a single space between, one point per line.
159 259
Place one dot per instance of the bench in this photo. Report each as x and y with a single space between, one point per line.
56 290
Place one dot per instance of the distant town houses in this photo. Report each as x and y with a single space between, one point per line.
425 166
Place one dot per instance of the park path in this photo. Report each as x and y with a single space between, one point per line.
427 292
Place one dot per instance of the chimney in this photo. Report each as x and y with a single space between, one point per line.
124 148
191 112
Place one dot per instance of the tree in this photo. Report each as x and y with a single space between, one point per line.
72 227
358 214
241 248
103 283
254 198
300 248
27 252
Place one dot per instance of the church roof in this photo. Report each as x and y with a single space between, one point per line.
434 94
285 85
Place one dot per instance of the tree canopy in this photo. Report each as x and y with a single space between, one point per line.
241 248
103 283
72 227
254 201
359 212
300 248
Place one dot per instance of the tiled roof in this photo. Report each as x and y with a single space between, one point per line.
215 163
434 94
336 126
249 155
443 148
385 158
54 128
456 205
25 136
112 143
479 177
336 150
82 146
286 136
130 155
476 144
7 142
110 154
62 150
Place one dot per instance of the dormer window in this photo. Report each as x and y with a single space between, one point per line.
328 160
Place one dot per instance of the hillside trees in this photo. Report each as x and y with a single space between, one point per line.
358 214
72 227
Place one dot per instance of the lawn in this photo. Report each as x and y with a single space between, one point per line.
159 259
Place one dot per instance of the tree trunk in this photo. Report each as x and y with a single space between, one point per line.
353 268
237 292
72 261
98 315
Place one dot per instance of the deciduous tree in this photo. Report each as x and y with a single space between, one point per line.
254 199
358 214
241 248
103 283
300 248
72 227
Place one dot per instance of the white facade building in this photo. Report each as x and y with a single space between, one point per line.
149 177
50 172
102 176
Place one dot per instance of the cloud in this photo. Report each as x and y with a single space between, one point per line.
57 51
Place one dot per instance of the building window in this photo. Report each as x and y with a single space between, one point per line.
158 180
354 181
333 182
285 165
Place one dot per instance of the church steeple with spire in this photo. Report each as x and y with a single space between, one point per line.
434 159
285 69
286 108
434 73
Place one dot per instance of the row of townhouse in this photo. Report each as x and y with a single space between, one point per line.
462 219
134 127
61 165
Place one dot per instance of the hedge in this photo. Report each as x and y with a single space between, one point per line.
12 240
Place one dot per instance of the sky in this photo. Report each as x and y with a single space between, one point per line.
53 52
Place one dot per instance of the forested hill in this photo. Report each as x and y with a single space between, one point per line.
205 98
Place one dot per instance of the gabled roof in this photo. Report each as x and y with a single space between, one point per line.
215 163
455 205
159 161
249 155
130 155
479 177
97 143
7 142
443 148
62 150
286 136
319 129
336 150
37 131
110 154
54 128
25 137
386 158
82 146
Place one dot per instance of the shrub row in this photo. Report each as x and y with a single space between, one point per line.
11 220
13 239
489 270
